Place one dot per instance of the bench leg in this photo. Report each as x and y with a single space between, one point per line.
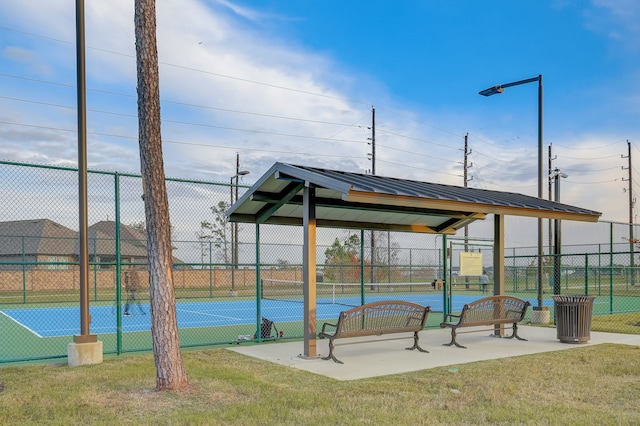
415 344
515 333
453 340
331 356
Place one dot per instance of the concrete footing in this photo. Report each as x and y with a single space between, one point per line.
84 353
540 316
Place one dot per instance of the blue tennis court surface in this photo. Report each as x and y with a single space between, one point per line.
55 321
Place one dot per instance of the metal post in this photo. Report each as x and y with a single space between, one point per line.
362 278
631 204
210 269
557 239
233 275
586 274
24 273
611 267
540 174
83 255
258 283
118 300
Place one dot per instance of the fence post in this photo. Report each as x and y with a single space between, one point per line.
599 269
611 267
586 274
515 271
118 300
95 269
24 273
210 271
258 284
410 268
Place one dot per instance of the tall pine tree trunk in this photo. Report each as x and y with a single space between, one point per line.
170 371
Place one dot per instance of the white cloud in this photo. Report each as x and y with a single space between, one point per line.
618 19
212 61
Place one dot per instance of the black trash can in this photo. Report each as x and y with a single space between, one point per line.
572 314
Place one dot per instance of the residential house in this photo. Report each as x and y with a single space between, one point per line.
25 243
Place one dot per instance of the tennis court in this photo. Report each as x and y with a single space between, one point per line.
64 321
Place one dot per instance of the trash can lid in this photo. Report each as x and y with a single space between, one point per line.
572 298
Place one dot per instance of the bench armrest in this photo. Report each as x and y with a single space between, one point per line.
518 312
451 316
414 318
324 326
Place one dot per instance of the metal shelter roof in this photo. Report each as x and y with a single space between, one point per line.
360 201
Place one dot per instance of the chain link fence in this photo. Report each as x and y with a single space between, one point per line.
228 279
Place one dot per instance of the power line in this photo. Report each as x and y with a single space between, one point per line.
415 139
245 80
567 169
169 141
164 101
588 158
588 148
405 165
590 183
415 153
492 157
485 141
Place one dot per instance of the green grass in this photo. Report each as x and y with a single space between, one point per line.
585 385
618 323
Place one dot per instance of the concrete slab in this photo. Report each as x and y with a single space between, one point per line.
379 357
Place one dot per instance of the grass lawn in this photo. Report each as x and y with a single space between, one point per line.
597 384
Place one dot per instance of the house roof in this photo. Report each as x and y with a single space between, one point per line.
46 237
133 242
354 200
36 236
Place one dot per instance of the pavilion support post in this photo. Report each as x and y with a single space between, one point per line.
498 264
498 255
309 271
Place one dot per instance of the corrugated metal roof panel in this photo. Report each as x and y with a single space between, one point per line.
367 201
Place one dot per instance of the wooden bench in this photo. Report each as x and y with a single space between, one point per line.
376 319
493 310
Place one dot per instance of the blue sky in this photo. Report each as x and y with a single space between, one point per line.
295 81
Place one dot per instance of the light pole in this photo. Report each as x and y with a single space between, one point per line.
234 228
499 89
557 236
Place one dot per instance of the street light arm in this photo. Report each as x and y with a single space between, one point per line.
500 87
517 83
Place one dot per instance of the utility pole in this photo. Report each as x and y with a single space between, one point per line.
466 180
234 226
373 141
373 172
467 152
550 198
631 203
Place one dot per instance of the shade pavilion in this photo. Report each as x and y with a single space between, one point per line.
313 197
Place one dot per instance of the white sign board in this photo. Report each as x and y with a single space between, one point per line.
470 264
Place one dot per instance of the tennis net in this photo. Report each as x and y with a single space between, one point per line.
349 294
